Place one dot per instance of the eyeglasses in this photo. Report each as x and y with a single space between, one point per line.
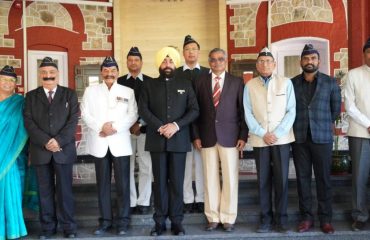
268 62
191 49
214 60
13 80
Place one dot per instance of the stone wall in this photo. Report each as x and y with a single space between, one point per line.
244 22
287 11
10 60
342 58
4 30
48 14
97 28
91 60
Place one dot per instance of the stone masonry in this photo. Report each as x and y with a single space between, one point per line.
4 29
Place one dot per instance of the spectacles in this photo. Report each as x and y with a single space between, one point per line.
268 62
191 49
13 80
214 60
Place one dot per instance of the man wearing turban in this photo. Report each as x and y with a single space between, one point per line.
168 105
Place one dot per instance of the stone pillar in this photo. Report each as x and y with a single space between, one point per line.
358 30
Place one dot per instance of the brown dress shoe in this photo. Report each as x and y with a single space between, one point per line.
304 226
358 226
327 228
228 227
211 226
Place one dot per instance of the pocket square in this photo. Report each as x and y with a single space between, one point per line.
181 91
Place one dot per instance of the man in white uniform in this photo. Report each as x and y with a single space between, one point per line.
109 110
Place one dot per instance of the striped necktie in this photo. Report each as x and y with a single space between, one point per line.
216 92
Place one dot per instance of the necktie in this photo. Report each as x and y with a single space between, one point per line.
216 92
50 97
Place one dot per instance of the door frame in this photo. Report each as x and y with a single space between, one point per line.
34 55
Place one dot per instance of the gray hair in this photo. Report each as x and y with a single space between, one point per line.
217 50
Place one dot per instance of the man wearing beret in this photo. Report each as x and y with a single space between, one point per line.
269 105
168 106
50 116
356 100
191 71
134 80
109 110
318 103
219 133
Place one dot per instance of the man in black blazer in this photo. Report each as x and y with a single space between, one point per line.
318 103
219 133
50 116
168 106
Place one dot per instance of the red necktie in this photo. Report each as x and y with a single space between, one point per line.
50 97
216 92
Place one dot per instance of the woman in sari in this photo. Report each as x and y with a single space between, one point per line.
13 138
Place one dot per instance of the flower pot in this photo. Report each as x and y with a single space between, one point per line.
341 164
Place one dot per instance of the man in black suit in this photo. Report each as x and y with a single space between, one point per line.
219 133
139 201
168 105
51 115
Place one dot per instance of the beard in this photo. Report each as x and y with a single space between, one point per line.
167 72
310 68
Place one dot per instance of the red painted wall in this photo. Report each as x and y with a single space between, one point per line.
45 38
335 32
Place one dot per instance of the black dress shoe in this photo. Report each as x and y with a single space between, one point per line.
228 227
122 230
358 226
177 230
143 209
188 208
158 229
281 228
70 235
264 228
101 230
47 235
200 207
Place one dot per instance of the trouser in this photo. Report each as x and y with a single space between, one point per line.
54 178
319 156
168 172
103 169
272 164
193 159
220 203
142 157
359 149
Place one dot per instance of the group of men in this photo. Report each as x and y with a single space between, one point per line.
192 115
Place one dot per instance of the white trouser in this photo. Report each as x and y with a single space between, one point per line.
193 159
145 172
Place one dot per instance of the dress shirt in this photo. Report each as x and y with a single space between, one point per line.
47 92
221 81
186 67
285 124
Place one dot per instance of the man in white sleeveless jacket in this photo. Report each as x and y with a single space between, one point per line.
356 99
269 104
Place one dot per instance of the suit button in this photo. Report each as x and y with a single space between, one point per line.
51 125
216 121
50 114
168 107
168 116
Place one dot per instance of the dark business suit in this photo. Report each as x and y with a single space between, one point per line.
219 130
165 101
43 121
226 124
314 142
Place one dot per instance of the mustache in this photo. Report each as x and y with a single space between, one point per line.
109 77
48 78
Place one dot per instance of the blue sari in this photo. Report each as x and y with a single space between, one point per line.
13 138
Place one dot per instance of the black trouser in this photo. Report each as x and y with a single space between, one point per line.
103 169
272 164
54 178
168 170
319 156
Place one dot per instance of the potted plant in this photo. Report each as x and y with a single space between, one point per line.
341 164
